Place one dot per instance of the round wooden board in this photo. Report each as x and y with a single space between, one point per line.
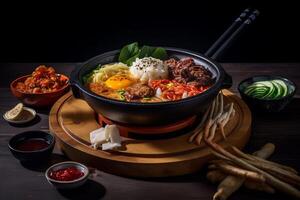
71 120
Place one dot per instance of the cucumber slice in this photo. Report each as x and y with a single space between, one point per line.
250 90
256 90
283 85
266 83
273 89
278 92
270 91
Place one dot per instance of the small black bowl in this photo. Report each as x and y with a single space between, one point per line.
266 105
32 156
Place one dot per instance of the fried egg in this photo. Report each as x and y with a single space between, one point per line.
119 81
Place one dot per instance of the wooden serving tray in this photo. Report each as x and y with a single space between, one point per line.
71 120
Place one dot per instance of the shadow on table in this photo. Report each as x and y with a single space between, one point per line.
197 176
291 108
90 190
42 166
36 120
44 110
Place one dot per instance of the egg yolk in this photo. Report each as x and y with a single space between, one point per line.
118 81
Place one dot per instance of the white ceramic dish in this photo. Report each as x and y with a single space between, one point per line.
30 117
68 184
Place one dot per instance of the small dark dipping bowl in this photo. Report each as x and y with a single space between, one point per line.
41 154
266 105
135 113
68 184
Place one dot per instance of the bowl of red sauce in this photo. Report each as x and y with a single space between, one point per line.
32 146
67 175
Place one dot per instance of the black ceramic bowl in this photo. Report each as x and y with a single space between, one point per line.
149 113
266 105
30 156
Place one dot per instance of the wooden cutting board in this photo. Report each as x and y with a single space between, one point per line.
71 120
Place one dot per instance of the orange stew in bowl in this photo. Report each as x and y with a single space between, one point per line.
42 80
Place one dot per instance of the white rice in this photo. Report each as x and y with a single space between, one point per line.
148 68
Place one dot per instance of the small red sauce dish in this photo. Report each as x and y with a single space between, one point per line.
67 175
32 146
39 99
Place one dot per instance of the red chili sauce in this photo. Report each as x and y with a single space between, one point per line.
66 174
32 144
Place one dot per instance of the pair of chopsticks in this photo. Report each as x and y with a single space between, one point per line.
247 17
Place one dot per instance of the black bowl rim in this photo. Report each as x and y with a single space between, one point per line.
86 172
24 134
249 79
220 70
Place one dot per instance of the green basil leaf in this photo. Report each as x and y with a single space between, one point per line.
146 51
159 53
132 59
128 52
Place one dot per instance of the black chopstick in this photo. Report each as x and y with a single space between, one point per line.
237 22
251 18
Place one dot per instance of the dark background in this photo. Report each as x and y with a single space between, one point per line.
70 33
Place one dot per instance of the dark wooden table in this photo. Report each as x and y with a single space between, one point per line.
19 181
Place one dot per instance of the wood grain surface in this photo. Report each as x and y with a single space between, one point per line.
28 182
71 120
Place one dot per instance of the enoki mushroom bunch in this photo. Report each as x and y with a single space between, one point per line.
234 168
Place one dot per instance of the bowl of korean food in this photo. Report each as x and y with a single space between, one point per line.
149 85
42 88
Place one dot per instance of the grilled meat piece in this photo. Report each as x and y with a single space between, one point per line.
185 71
139 91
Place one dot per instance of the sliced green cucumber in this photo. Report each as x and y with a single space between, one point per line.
278 92
272 89
270 92
283 85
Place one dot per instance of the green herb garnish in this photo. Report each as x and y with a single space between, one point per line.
129 51
132 51
122 94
